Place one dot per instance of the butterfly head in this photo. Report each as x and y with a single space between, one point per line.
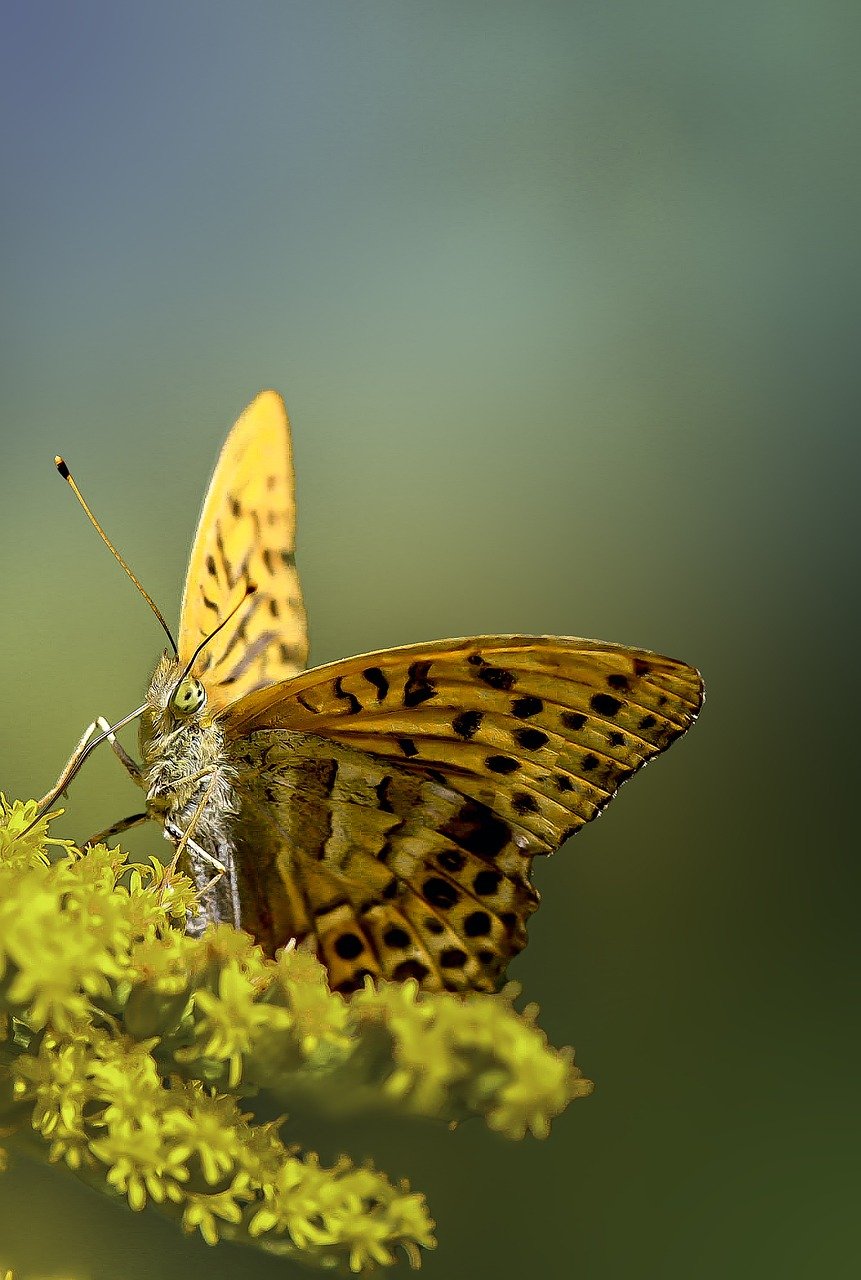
179 736
188 698
175 699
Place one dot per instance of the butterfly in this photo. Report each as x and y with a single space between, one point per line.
387 808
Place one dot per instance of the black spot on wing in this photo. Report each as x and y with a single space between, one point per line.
408 747
477 924
374 676
573 720
523 708
530 739
618 681
497 677
225 563
382 792
478 830
353 702
502 764
524 802
354 983
418 687
605 704
486 883
439 893
348 946
466 724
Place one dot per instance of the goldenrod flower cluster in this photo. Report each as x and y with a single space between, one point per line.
133 1054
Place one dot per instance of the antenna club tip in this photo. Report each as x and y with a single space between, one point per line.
61 467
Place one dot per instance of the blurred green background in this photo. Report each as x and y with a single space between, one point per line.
563 300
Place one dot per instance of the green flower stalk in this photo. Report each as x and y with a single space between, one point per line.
137 1057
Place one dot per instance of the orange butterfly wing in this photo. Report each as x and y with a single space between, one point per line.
513 744
246 535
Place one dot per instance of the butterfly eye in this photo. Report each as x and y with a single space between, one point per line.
188 696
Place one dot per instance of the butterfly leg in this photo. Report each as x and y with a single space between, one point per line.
184 841
201 860
116 828
69 770
130 765
99 725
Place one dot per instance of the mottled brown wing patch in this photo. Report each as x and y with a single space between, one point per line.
372 863
246 535
473 756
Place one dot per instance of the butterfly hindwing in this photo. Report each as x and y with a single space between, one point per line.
511 744
246 536
375 862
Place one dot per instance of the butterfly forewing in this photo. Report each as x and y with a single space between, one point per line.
246 536
408 791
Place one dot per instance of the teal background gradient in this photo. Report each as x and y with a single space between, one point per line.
563 299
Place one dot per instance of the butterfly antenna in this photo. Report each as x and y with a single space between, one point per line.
67 476
249 591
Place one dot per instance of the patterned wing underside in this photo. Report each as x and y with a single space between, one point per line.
403 795
246 535
377 865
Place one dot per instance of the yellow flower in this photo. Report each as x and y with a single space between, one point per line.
201 1213
209 1131
131 1051
140 1161
23 839
321 1017
59 949
231 1019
